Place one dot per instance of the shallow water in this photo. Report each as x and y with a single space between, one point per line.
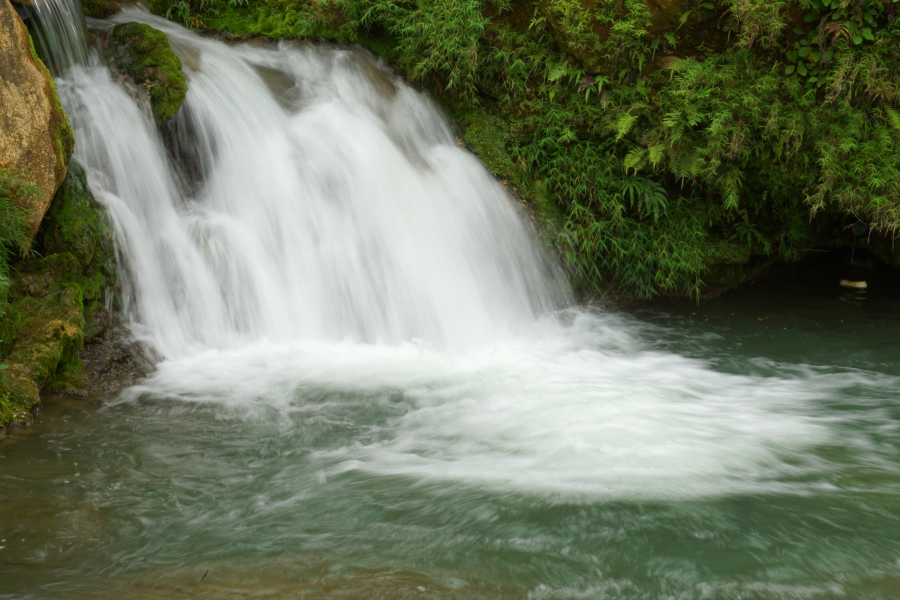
760 461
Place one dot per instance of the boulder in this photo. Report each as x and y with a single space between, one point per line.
142 54
36 139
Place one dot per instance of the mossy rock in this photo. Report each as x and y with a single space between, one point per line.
143 54
99 9
10 323
57 299
79 251
487 136
50 334
36 138
77 224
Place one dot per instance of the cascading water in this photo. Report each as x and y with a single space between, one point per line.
61 33
367 365
324 229
339 210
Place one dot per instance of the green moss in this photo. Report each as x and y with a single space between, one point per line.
76 223
10 323
50 335
79 247
56 298
143 53
488 135
98 9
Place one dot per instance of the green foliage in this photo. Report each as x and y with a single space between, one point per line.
14 237
437 39
144 54
836 24
644 258
655 161
757 22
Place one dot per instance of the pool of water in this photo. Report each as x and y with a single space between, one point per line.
746 447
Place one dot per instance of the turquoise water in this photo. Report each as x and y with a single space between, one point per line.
300 493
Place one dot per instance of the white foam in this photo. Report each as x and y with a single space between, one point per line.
572 412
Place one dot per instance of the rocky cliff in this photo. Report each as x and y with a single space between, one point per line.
35 137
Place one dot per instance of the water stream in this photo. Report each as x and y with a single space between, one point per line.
372 383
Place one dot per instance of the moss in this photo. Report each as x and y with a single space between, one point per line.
10 323
41 277
144 55
51 334
79 247
57 299
68 374
98 9
487 136
77 224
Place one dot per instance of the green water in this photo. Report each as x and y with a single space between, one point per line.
141 499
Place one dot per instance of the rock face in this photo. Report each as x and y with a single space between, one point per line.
35 136
77 225
57 301
142 54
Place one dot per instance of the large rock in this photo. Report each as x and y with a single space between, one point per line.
35 137
142 54
57 299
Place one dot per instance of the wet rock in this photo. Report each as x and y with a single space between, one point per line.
77 225
57 301
112 361
100 9
45 348
36 139
143 55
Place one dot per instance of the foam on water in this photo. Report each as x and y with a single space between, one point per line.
313 226
573 411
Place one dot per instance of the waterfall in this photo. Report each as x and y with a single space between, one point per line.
62 33
307 228
332 203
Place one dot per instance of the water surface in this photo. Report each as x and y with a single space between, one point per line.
761 461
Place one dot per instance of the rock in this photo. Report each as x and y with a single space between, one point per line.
78 249
76 223
36 139
45 349
58 300
143 55
98 9
729 265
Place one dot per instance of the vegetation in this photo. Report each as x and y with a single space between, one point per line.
14 236
668 140
144 55
54 301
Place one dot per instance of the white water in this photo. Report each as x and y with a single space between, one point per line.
61 32
333 239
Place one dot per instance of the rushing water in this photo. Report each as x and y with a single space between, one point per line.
372 383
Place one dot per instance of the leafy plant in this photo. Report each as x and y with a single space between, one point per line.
837 23
14 237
